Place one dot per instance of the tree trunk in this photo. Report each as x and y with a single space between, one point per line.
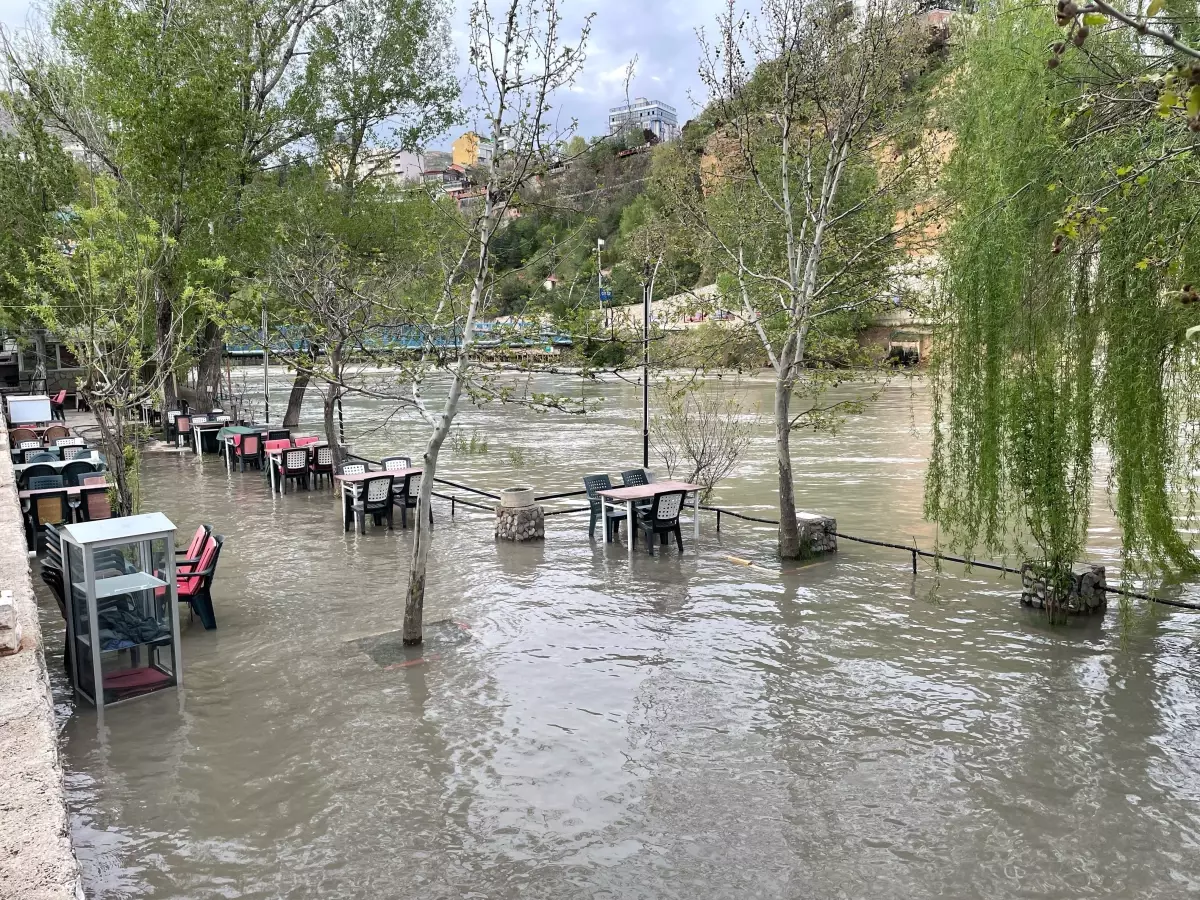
164 337
329 404
39 362
296 399
414 603
789 530
208 373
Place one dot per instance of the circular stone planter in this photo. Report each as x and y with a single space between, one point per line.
516 497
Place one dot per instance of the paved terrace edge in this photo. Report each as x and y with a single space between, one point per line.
37 861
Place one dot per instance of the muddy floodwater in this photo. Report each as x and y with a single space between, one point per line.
584 726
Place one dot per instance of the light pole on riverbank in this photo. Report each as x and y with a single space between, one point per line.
646 369
266 362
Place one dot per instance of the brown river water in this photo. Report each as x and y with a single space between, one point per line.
674 727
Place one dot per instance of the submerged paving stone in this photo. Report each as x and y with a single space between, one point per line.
388 650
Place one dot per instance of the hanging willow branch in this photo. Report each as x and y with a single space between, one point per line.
1064 327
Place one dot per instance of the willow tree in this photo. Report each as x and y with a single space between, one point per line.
1066 298
812 154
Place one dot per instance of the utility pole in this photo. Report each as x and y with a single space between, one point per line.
600 279
266 362
646 368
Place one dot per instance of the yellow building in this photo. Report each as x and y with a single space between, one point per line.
471 150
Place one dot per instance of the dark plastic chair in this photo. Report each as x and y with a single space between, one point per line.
662 519
612 525
46 509
322 464
39 456
81 453
352 468
248 451
634 478
94 503
293 466
407 497
70 442
374 499
73 471
34 471
280 434
392 463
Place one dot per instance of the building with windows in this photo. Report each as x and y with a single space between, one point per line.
470 150
645 115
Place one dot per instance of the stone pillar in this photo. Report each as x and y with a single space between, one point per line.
1086 595
818 534
518 518
525 523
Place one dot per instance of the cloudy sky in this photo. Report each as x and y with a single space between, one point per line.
660 33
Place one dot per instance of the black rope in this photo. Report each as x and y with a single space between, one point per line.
720 511
457 500
563 512
464 487
560 496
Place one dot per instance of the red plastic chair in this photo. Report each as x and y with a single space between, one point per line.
57 410
246 450
191 556
306 441
183 430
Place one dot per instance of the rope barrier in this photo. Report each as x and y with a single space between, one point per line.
720 511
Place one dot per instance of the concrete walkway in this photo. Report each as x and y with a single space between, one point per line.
37 861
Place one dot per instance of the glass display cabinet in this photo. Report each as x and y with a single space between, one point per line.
122 607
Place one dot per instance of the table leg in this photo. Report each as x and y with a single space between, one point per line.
271 472
696 515
630 527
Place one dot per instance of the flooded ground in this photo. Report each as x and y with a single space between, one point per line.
671 727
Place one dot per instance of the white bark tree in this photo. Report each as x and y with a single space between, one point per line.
798 203
518 60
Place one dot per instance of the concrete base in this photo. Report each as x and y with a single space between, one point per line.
37 861
818 534
525 523
1085 597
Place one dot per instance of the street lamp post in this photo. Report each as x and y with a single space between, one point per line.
266 364
600 279
646 369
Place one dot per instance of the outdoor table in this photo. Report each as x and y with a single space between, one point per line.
628 496
225 438
349 484
272 456
96 460
199 426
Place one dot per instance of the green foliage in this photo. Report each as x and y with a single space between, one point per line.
469 445
1063 324
37 180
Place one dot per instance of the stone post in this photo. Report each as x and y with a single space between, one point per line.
1085 596
818 534
518 518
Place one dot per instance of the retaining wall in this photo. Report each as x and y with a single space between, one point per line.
37 861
